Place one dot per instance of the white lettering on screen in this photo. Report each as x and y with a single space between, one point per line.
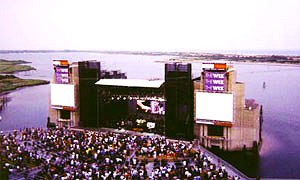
221 82
218 88
218 76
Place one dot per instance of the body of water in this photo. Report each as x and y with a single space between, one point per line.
279 156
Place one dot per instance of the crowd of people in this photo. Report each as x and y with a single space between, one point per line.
69 154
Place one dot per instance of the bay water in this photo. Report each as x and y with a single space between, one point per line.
279 155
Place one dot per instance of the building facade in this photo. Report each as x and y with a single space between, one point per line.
223 118
64 100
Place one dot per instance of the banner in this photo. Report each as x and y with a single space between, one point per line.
214 81
62 75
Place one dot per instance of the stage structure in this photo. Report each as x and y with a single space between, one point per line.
211 108
132 104
179 101
88 72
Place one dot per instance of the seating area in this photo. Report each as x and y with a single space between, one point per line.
83 154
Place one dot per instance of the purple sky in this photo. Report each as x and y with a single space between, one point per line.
150 25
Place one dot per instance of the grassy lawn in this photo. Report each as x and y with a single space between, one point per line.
9 67
11 82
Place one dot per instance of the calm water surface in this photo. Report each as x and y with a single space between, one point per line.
279 156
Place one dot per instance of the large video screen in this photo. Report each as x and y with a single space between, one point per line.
62 95
214 106
152 106
148 106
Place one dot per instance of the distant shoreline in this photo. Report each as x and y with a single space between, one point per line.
191 56
283 52
266 63
231 62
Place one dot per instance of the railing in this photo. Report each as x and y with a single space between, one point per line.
232 170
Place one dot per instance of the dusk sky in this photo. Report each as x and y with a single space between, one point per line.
156 25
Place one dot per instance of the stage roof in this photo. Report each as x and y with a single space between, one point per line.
130 83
